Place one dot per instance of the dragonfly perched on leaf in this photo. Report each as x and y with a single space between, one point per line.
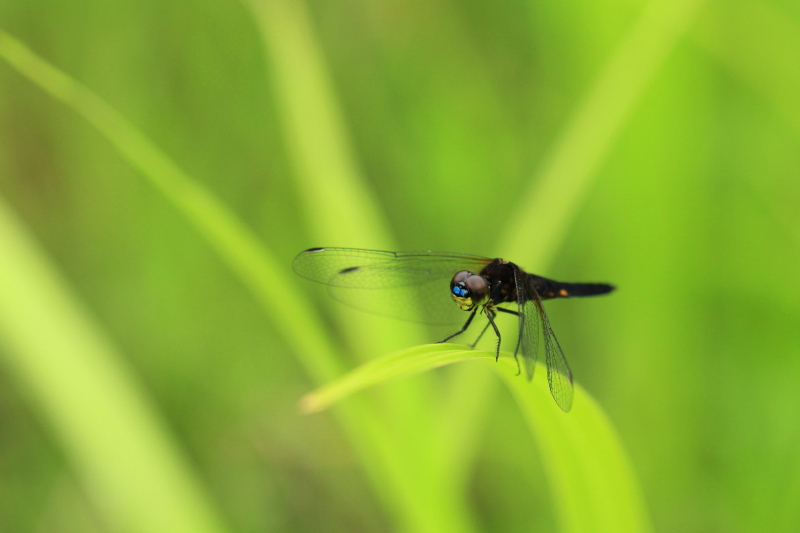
414 286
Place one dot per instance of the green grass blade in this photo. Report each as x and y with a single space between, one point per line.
593 483
564 180
115 439
235 243
267 279
336 200
339 204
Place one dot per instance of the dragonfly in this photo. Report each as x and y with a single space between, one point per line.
439 287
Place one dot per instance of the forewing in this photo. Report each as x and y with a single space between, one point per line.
411 286
375 269
559 376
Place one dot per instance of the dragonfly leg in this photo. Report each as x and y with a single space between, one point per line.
497 332
516 359
519 340
463 328
482 332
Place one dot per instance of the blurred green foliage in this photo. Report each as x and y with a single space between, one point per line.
449 115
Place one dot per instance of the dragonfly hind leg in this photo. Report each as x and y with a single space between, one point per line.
490 316
519 340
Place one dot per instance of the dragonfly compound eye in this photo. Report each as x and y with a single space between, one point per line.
468 289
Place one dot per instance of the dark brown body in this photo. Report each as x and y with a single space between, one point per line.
503 272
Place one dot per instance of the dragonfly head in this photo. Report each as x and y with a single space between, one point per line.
468 289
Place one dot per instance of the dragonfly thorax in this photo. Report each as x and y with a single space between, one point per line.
468 289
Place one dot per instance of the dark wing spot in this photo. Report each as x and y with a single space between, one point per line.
312 250
348 270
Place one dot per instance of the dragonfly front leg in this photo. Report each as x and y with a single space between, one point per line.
482 332
489 309
463 328
490 316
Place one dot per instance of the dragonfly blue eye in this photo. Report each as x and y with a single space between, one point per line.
460 291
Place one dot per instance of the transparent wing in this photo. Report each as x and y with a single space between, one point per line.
374 269
411 286
559 376
532 318
528 325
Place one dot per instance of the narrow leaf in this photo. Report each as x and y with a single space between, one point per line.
594 485
116 440
271 283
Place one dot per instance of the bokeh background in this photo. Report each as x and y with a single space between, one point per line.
671 130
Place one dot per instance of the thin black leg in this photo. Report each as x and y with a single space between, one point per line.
497 332
519 339
482 332
504 310
463 328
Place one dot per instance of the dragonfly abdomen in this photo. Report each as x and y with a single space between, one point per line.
548 288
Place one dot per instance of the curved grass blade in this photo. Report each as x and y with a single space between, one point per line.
337 201
594 486
117 442
335 197
592 480
391 473
555 196
234 242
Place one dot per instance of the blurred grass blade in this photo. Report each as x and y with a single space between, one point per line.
594 487
115 440
233 240
564 181
338 203
387 467
592 480
336 199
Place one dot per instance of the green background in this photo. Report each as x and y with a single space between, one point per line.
669 130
